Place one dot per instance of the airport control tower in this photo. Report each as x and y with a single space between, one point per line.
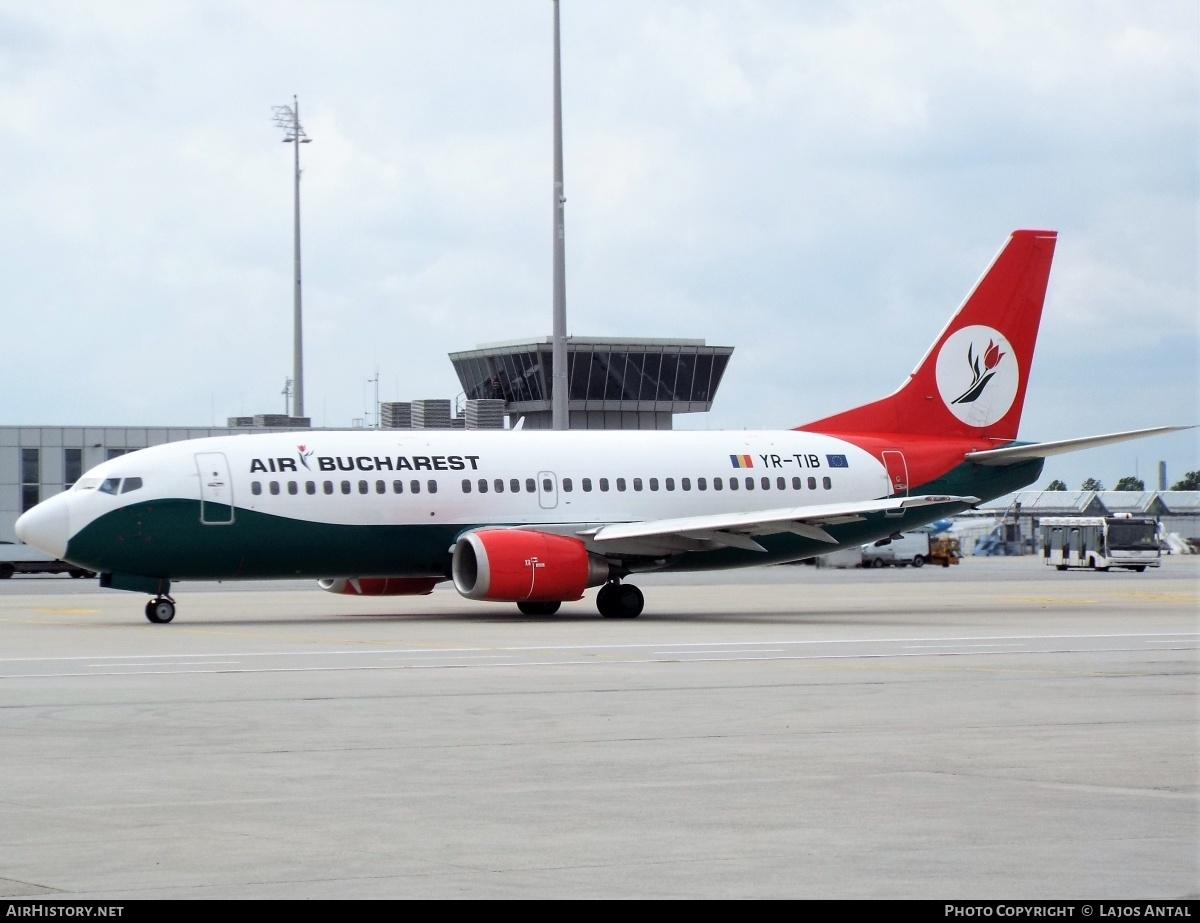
609 383
613 382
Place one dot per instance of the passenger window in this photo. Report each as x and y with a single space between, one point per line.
109 486
499 485
274 485
466 485
414 487
718 484
381 487
826 483
567 485
812 483
701 484
131 484
310 487
432 485
685 483
766 483
514 485
781 483
547 485
363 487
749 483
483 485
256 487
669 483
604 485
637 483
293 488
329 487
653 484
345 487
530 486
797 483
397 487
586 483
620 483
733 484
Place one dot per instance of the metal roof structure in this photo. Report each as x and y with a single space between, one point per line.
1097 502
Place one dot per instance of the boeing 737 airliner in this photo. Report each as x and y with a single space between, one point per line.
536 518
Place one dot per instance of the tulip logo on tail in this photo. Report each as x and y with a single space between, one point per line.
977 375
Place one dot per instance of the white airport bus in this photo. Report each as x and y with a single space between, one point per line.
1100 542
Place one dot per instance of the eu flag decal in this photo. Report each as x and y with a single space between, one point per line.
742 461
837 461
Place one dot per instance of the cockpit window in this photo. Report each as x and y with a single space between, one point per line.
109 486
86 483
131 484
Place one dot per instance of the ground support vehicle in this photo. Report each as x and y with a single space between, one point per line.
944 550
25 559
1100 542
910 548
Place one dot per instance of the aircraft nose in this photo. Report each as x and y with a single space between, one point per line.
47 526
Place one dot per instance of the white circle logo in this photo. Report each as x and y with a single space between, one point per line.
977 375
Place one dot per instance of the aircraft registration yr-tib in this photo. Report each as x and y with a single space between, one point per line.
536 518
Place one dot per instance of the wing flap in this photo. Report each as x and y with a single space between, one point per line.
734 530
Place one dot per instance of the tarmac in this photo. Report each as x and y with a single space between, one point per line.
992 730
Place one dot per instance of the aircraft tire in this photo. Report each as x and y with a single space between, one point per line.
160 610
538 608
620 601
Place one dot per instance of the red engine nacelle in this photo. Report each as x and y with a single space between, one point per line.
380 586
516 565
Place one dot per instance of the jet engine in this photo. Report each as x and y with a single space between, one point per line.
517 565
379 586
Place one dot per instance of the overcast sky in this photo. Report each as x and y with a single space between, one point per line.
816 184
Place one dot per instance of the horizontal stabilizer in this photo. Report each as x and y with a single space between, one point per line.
1012 454
733 530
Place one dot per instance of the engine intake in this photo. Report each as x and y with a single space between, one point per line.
379 586
518 565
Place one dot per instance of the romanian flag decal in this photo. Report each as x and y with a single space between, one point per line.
742 461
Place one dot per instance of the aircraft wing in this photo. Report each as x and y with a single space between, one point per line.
1018 453
734 530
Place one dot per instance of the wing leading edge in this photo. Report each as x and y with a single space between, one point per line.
735 530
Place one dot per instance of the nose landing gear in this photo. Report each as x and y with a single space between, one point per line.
160 610
620 600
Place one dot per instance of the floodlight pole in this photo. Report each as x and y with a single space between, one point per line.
559 412
288 118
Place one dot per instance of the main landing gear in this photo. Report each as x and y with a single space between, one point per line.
620 600
160 610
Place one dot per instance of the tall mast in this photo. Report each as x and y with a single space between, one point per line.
288 118
559 414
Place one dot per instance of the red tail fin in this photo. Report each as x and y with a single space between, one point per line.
972 381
